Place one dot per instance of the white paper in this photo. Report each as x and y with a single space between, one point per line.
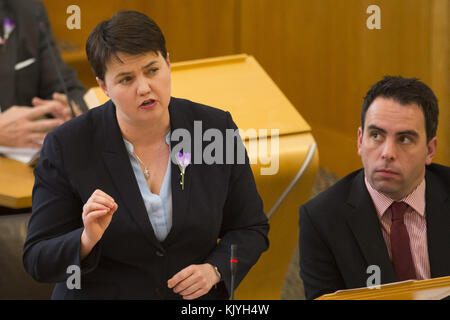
24 155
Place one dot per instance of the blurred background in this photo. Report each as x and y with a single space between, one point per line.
320 53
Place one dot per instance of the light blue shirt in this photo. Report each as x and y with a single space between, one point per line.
159 207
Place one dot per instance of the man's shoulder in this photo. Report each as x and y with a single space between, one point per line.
441 173
335 195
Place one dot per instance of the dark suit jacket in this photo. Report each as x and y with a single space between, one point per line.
340 234
88 152
19 87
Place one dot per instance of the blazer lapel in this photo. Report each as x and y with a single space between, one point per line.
118 164
180 197
363 221
438 222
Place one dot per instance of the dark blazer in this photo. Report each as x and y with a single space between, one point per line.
88 152
340 234
19 87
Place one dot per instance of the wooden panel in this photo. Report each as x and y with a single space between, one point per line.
193 28
324 59
440 73
16 184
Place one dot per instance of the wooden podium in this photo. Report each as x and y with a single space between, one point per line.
430 289
240 85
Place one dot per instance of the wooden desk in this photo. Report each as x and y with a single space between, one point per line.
16 184
430 289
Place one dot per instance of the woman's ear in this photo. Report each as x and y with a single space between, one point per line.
168 60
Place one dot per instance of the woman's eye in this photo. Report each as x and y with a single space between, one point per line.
125 80
153 70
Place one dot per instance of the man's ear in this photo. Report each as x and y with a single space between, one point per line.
360 138
431 150
102 85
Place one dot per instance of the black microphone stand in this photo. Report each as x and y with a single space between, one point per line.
58 72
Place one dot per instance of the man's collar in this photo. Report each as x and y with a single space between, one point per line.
416 199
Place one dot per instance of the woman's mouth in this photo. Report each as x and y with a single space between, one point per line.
148 104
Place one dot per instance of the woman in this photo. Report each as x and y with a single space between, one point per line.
110 199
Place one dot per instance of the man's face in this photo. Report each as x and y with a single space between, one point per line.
139 86
394 148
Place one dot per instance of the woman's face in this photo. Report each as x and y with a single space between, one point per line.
139 85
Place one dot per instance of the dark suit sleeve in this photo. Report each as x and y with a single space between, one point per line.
55 227
244 222
318 268
49 81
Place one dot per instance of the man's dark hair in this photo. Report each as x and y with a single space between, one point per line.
127 31
405 91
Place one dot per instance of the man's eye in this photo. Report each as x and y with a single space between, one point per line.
405 139
375 135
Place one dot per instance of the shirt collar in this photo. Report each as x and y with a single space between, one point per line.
130 147
416 199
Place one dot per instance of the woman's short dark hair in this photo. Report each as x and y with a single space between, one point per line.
127 31
406 91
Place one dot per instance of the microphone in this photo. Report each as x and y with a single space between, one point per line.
55 62
233 267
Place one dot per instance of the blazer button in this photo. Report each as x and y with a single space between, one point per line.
159 253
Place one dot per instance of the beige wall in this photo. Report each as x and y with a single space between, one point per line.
320 53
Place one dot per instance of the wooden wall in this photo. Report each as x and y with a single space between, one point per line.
325 59
320 53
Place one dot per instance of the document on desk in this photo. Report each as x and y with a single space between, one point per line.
25 155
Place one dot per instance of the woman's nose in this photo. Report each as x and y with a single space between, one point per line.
144 86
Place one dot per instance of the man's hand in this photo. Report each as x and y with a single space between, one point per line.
194 281
20 127
60 104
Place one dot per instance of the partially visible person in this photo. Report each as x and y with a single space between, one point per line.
394 214
30 89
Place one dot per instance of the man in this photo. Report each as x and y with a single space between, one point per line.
394 214
28 77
